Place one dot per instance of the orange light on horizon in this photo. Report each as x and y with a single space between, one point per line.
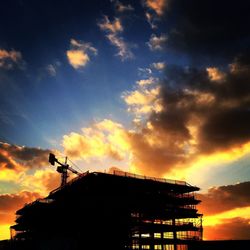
4 232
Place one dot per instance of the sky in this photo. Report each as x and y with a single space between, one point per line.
153 87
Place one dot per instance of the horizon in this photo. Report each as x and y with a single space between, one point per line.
153 87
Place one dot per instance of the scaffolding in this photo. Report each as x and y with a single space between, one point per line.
113 211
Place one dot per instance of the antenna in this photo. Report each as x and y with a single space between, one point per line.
62 169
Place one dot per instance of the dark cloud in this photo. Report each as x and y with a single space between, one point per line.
223 129
234 228
205 109
210 101
9 203
208 27
5 162
224 198
229 112
154 158
11 156
221 107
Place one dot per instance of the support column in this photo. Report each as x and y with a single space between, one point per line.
140 227
162 237
152 241
174 233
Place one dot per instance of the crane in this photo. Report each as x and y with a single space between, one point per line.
62 169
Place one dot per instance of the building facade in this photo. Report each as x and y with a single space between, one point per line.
112 211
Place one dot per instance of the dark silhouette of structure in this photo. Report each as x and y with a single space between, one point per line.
62 168
112 211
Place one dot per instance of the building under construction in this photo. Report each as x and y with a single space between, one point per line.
112 211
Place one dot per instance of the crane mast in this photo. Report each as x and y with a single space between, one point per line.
62 168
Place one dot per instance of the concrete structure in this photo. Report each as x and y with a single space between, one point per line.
112 211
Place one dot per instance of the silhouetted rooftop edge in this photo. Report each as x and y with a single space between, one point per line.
130 175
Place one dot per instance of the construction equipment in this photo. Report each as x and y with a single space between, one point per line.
62 169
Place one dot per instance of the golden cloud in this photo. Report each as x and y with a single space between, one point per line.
180 131
77 58
78 54
145 99
41 181
157 5
13 55
148 81
228 223
113 27
141 98
105 138
215 74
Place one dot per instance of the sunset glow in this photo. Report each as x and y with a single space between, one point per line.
147 87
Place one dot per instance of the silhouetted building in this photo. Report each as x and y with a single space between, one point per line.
112 211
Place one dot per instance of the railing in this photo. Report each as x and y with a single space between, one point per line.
39 200
125 174
70 182
144 177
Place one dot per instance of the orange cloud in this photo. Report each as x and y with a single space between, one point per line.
9 203
16 157
235 228
10 58
41 181
145 99
225 197
77 58
157 5
154 153
122 8
26 167
16 163
113 27
78 54
215 74
226 212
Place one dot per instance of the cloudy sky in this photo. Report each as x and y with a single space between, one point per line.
154 87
